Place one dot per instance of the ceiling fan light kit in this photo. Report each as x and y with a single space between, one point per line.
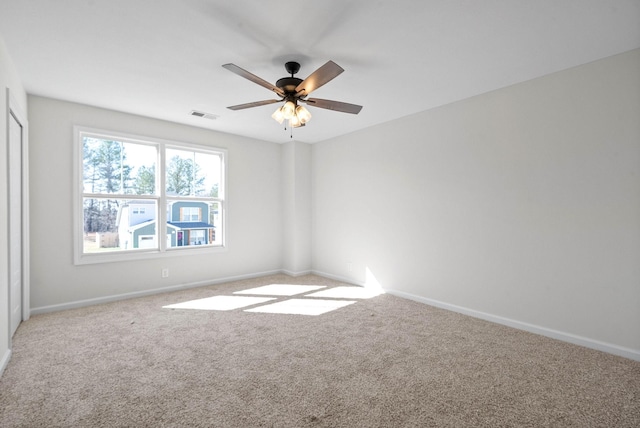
278 115
293 91
296 115
303 114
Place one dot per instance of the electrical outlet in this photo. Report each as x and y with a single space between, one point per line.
165 273
349 267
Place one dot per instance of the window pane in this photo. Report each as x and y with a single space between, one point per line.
111 166
193 223
118 225
191 173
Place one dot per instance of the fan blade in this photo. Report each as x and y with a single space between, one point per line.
253 104
255 79
318 78
333 105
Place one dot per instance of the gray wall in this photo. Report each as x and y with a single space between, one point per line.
522 204
254 194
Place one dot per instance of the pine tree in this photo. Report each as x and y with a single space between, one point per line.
145 181
105 171
182 177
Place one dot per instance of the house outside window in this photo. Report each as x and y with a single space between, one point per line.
123 180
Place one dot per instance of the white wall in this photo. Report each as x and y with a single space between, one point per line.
522 204
296 210
254 191
8 79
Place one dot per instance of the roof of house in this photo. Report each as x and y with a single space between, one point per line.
140 225
139 202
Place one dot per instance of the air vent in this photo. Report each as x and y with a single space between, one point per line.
203 114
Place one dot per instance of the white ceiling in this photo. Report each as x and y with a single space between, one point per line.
162 58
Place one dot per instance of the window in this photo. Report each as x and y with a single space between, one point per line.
122 183
190 214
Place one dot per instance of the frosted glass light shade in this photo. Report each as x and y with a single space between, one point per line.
295 121
303 114
289 109
278 115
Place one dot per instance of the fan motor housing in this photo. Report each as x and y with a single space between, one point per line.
288 84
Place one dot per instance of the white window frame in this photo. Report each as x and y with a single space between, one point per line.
163 249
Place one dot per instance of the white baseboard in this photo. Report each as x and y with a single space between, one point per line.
632 354
107 299
5 360
295 274
554 334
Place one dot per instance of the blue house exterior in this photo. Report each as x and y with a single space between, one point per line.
189 221
187 224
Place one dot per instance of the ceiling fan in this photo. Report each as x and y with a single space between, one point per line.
293 91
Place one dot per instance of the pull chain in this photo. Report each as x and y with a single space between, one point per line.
290 130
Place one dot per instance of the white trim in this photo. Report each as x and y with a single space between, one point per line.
632 354
14 108
161 213
144 254
296 274
554 334
5 361
77 214
116 297
81 258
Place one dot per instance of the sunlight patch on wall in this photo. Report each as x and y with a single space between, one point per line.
371 282
302 306
220 303
280 289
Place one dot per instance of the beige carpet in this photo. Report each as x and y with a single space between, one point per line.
378 362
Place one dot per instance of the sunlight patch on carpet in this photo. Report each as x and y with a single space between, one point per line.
280 289
302 306
220 303
347 293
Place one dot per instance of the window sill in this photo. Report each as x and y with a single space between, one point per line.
122 256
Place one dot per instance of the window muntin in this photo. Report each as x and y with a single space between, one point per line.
123 182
